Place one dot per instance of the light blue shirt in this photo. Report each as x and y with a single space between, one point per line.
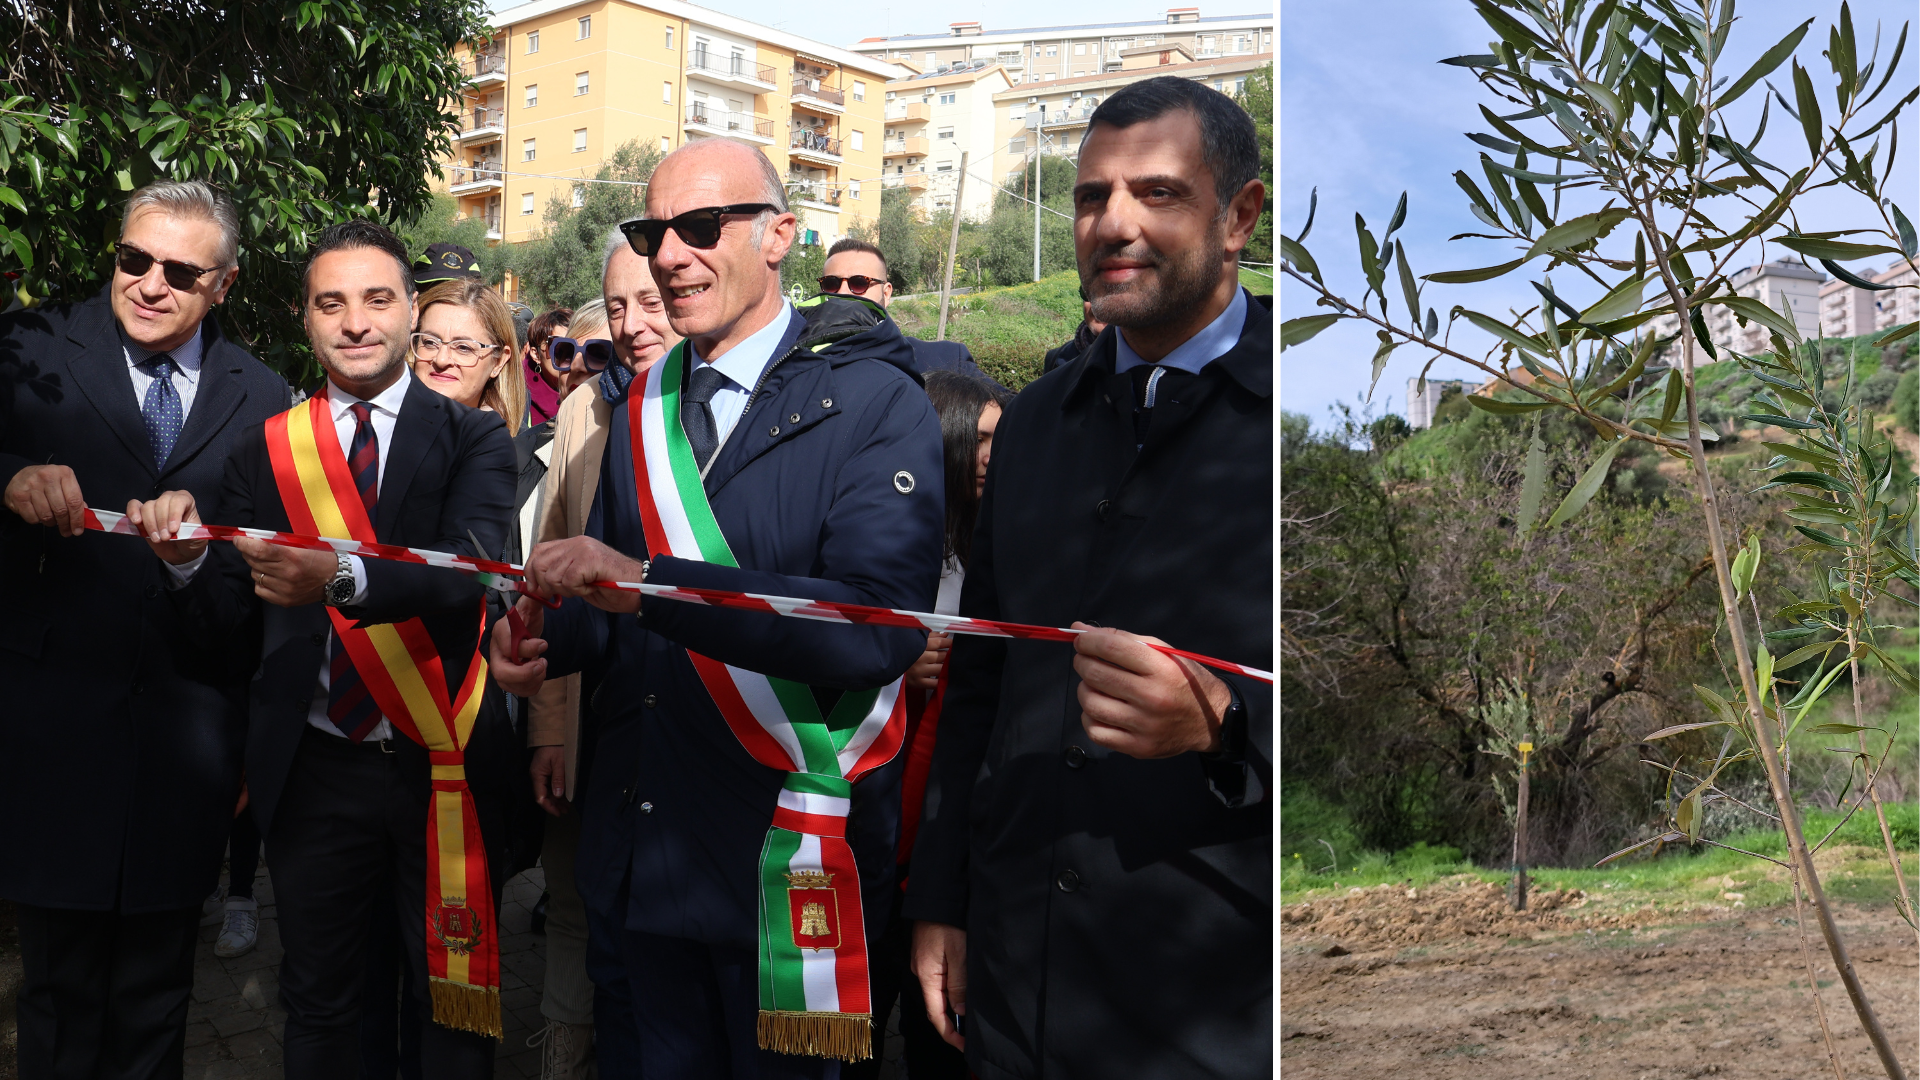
742 365
1214 341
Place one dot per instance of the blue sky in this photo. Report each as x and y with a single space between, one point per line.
1366 113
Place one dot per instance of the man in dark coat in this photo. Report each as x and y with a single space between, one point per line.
822 466
341 790
1092 877
857 268
119 746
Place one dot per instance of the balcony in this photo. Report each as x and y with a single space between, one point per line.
493 223
480 124
808 146
811 93
475 179
915 182
906 112
736 71
485 69
1064 121
916 145
706 120
814 194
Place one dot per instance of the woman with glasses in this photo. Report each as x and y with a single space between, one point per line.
543 382
462 346
584 351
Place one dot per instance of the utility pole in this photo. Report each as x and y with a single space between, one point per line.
953 247
1039 152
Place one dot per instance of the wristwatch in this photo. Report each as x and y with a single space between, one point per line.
340 587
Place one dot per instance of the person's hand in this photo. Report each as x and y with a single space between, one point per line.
48 495
939 961
286 576
1138 701
160 520
570 567
925 672
550 778
526 673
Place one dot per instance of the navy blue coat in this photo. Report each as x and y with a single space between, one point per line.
810 508
947 356
120 744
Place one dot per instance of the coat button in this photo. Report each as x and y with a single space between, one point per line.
139 688
1068 881
1101 510
1076 757
305 703
826 403
773 432
646 808
649 701
153 591
794 419
319 639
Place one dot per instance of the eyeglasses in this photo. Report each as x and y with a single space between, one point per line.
830 283
182 276
695 228
460 352
593 355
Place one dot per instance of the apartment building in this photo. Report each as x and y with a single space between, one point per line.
1421 405
931 119
1785 286
1051 53
1848 311
565 82
1052 117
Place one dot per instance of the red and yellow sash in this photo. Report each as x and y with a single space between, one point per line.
402 670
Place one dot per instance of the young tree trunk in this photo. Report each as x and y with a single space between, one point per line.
1520 846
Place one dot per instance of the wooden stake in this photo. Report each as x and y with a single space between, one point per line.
1520 836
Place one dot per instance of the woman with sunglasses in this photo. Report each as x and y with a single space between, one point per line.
585 350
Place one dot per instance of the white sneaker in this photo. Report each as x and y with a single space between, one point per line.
210 907
241 930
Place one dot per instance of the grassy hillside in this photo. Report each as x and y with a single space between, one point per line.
1010 330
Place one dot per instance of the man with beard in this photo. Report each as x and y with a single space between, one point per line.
1097 824
355 652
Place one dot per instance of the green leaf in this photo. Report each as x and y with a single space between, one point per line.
1841 272
1535 177
1896 334
12 198
1462 277
1634 368
1624 300
1809 108
1801 453
1296 331
1509 30
1833 249
1675 394
1380 355
1473 60
1313 206
1506 408
1479 198
1534 482
1763 668
1669 732
1492 143
1909 243
1291 251
1399 218
1744 565
1764 66
1369 256
1506 333
1587 487
1717 703
1819 537
1893 667
1805 653
1407 287
1753 310
1687 816
1578 231
1780 421
1836 729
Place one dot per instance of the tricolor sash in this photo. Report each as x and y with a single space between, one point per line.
401 667
814 996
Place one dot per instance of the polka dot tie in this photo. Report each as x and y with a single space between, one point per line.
161 409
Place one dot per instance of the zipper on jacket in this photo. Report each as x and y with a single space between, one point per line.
754 394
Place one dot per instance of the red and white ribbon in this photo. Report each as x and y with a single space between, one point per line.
791 607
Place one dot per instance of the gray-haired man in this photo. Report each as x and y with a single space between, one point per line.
120 748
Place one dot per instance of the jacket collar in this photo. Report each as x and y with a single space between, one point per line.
1249 362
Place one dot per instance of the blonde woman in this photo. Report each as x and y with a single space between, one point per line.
463 349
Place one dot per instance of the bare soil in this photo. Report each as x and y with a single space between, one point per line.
1446 982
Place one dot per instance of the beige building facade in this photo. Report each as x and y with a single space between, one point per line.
563 84
931 120
1848 311
1785 286
1042 54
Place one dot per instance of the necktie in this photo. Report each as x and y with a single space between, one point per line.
696 412
161 409
349 706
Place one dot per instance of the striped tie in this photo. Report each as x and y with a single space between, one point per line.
351 709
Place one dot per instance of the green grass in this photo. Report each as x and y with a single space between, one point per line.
1009 330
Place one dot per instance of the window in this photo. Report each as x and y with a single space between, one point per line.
1079 48
580 83
579 196
855 188
1036 50
666 92
666 143
1018 146
1240 86
945 133
1017 112
1077 74
858 140
527 150
944 166
948 99
579 140
533 95
1050 76
585 22
933 59
669 37
526 204
859 90
533 41
1053 50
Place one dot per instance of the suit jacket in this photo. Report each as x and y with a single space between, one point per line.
947 356
1119 910
810 507
449 471
119 746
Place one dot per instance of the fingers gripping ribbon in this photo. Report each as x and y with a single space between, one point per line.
506 577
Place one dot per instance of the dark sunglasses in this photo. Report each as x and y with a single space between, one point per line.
594 355
830 283
179 275
695 228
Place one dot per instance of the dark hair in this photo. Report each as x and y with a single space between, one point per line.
545 323
960 399
359 233
1228 146
850 244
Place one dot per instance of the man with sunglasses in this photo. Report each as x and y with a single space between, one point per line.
804 438
857 268
120 745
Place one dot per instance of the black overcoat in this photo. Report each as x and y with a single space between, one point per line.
1118 910
120 745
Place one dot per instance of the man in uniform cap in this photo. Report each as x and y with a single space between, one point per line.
443 262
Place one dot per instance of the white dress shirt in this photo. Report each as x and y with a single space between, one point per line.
1217 339
742 365
185 381
386 413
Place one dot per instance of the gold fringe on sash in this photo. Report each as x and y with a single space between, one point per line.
466 1007
847 1036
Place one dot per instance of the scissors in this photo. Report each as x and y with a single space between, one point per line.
513 588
